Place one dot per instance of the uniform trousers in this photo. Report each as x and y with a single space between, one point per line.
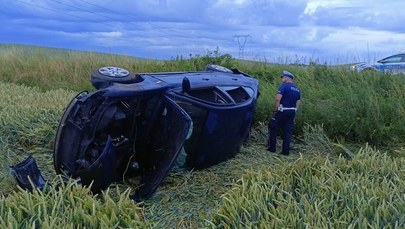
284 121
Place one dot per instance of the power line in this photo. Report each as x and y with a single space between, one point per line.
103 8
89 11
100 15
159 29
143 27
57 11
130 16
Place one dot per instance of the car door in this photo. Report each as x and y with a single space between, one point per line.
393 64
176 125
222 116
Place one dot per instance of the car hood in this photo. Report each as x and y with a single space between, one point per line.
363 65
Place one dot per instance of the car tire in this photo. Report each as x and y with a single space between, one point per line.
218 68
369 70
106 76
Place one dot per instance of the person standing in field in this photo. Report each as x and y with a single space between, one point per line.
286 104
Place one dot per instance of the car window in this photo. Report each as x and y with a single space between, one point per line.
199 116
392 59
238 94
211 95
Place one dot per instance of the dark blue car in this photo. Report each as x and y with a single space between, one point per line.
142 125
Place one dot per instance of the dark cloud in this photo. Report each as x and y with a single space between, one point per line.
167 28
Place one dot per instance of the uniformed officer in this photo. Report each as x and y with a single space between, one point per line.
286 104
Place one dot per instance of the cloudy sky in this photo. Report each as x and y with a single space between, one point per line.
325 31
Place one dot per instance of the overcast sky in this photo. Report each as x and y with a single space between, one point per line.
331 31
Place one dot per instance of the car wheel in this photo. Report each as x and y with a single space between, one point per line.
105 76
218 68
369 70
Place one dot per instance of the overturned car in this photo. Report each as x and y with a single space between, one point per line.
141 125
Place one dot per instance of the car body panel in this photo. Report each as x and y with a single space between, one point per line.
127 129
220 128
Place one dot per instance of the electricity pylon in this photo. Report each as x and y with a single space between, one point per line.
241 42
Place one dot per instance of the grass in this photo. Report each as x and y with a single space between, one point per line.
48 68
333 179
364 192
69 206
200 199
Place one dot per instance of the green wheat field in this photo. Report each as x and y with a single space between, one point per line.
346 169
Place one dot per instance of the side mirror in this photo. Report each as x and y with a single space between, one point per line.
28 175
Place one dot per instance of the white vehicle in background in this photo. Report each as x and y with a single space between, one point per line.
394 65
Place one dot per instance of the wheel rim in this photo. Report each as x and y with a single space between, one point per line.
114 72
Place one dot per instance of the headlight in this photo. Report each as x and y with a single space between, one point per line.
353 67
